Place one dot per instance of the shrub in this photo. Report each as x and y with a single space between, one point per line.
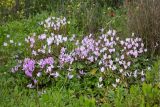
144 20
51 55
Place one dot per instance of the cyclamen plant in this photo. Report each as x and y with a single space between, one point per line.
48 54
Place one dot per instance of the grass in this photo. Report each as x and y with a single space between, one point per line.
14 93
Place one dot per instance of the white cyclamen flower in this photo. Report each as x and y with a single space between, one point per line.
114 85
30 86
55 74
102 69
50 40
39 74
100 85
109 32
11 41
70 76
8 36
117 80
100 79
64 39
5 44
19 44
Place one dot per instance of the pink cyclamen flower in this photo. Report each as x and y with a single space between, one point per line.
32 41
49 61
28 66
46 61
42 36
50 40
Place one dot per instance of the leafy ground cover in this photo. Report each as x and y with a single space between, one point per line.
55 61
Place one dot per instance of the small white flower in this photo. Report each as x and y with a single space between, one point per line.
77 42
114 85
8 36
109 32
11 41
120 62
156 44
41 92
68 22
135 74
127 39
19 44
26 40
122 57
117 59
69 69
105 56
82 72
39 74
100 79
50 40
102 30
72 38
142 44
117 38
149 68
145 50
70 76
109 56
122 42
121 70
114 33
142 73
111 38
128 64
49 49
140 39
136 45
102 69
100 85
55 74
117 80
64 39
100 62
49 69
142 79
114 68
30 86
42 36
34 52
129 74
5 44
125 66
12 70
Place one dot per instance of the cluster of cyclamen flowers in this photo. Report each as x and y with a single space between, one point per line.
53 23
107 51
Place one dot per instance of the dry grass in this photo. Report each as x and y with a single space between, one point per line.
144 20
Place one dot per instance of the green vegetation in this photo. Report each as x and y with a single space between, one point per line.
14 93
92 84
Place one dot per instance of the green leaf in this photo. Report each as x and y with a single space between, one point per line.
93 71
